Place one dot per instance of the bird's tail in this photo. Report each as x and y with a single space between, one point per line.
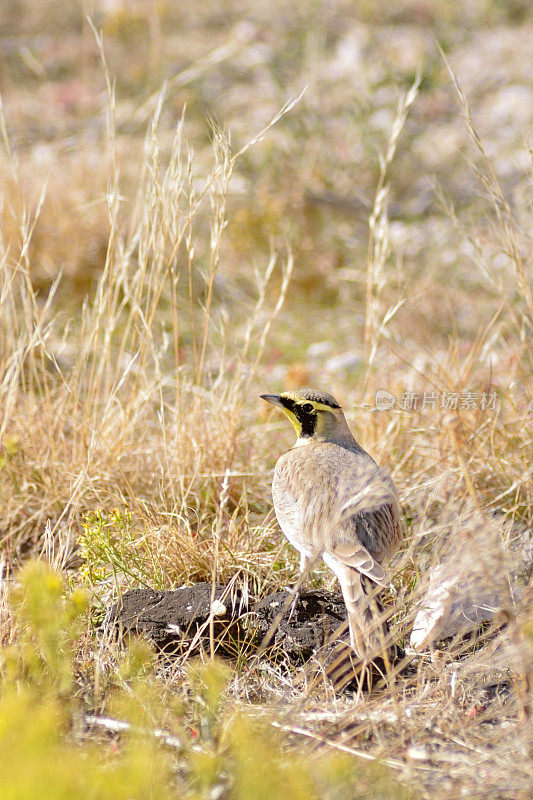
369 631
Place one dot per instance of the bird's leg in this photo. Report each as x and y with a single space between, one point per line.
303 566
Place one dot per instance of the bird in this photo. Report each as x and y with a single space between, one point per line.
333 501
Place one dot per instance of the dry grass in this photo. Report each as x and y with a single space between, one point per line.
159 279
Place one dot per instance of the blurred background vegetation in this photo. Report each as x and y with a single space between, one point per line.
311 182
171 245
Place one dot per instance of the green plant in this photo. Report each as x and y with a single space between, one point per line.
38 753
112 548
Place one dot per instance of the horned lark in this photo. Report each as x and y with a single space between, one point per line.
332 500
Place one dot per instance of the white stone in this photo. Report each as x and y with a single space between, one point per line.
318 349
218 609
344 361
453 604
415 753
171 628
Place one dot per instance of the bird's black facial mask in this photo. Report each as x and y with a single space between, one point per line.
305 416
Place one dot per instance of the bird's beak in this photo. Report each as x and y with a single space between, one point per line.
275 399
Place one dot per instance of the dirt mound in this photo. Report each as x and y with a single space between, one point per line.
182 619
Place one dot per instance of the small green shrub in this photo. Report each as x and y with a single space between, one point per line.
39 756
111 549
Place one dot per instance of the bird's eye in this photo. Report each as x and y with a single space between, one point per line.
307 408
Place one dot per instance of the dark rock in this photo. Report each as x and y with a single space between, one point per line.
179 619
300 635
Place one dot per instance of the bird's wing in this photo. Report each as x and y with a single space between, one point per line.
353 554
361 541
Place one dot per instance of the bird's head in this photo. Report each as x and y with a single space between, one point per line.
314 414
